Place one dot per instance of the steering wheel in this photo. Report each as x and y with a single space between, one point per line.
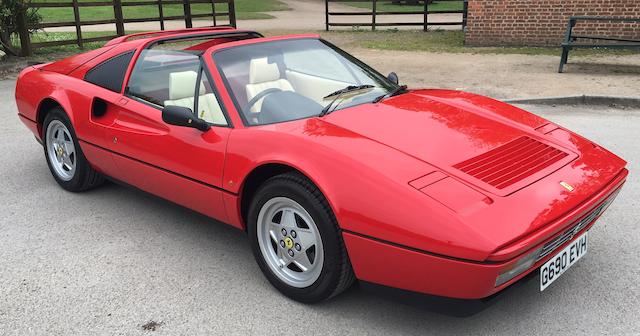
259 96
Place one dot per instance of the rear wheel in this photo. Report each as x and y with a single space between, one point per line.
296 240
64 156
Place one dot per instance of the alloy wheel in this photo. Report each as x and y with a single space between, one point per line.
290 242
61 150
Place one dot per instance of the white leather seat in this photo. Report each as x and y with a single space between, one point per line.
314 87
263 76
182 87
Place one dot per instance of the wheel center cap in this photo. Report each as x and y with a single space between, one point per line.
288 242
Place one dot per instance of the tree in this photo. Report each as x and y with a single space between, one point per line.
10 12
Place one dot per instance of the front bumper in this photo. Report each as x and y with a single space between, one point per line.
390 265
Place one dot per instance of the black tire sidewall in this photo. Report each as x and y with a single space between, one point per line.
82 165
324 286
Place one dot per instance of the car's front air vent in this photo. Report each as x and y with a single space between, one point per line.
511 162
576 228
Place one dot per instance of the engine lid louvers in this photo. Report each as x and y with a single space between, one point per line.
512 162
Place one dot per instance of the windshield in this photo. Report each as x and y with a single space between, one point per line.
293 79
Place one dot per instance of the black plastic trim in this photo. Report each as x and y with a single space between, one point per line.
251 34
440 304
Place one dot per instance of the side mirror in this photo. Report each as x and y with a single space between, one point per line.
393 77
183 116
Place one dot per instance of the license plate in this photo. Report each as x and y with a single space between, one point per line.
561 262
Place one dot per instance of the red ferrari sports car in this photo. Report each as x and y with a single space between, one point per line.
335 172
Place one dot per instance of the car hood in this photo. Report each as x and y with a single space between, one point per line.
455 131
449 131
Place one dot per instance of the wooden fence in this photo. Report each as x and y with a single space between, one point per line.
27 46
374 12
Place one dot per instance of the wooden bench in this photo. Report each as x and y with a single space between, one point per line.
570 40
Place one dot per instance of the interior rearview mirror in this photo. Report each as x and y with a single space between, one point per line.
183 116
393 77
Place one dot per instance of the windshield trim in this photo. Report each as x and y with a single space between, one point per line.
378 77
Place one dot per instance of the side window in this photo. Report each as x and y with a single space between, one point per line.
163 75
110 74
209 107
169 78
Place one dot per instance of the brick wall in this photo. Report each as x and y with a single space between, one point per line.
543 22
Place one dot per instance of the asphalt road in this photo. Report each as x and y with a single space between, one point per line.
111 260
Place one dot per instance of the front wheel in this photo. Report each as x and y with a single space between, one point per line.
296 241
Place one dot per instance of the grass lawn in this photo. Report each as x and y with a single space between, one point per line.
44 37
245 10
387 6
56 52
442 41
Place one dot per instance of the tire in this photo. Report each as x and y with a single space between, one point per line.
64 156
309 263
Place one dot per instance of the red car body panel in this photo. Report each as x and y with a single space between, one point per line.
451 277
388 169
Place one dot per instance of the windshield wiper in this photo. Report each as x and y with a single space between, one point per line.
349 89
339 94
396 91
